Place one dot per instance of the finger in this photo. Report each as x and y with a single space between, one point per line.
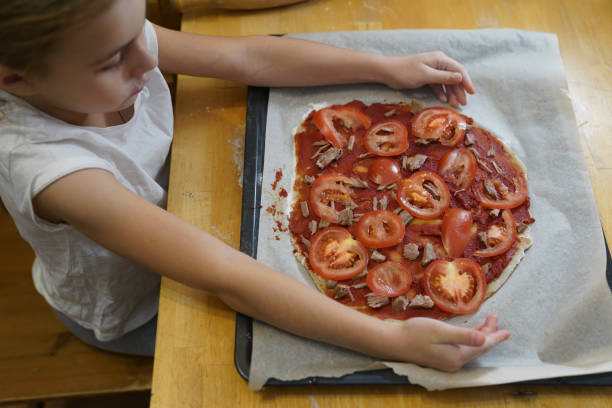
467 84
441 76
459 92
452 99
488 326
492 339
479 326
459 335
455 66
439 91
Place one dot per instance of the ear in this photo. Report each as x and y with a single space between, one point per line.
14 81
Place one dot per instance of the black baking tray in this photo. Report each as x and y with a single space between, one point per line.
255 135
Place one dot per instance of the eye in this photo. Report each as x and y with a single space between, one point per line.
114 65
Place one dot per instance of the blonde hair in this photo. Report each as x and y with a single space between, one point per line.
29 28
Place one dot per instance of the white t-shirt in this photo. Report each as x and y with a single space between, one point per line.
91 285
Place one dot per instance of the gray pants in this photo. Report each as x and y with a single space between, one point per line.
139 342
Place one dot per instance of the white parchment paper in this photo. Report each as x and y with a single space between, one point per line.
557 304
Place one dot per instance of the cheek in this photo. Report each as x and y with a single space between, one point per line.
109 85
91 93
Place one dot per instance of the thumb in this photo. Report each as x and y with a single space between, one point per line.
443 77
459 335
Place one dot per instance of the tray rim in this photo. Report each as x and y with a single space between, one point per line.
254 148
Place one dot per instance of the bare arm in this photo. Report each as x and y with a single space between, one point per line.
274 61
130 226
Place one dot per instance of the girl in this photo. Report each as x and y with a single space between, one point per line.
86 127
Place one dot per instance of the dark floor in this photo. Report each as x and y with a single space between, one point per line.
127 400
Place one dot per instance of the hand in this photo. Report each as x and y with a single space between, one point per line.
439 345
448 78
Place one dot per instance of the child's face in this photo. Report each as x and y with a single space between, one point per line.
99 67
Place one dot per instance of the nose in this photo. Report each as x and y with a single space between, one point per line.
143 60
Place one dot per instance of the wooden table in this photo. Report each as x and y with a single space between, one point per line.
194 362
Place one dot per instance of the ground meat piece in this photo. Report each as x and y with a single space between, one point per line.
320 143
360 285
345 217
411 251
350 204
494 213
491 152
405 216
320 150
400 303
331 284
483 237
323 224
351 143
480 162
358 183
521 227
433 190
429 254
328 156
305 241
342 291
390 113
304 208
469 139
485 268
351 295
415 162
309 179
377 256
383 203
491 190
423 301
312 227
497 168
375 301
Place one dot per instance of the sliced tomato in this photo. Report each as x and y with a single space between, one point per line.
389 279
424 195
387 138
361 168
384 171
329 194
456 231
503 197
338 123
380 229
335 254
457 287
442 124
499 237
458 168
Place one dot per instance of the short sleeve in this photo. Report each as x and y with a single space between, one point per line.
29 175
150 37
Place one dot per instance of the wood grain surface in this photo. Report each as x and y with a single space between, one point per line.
194 364
39 358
